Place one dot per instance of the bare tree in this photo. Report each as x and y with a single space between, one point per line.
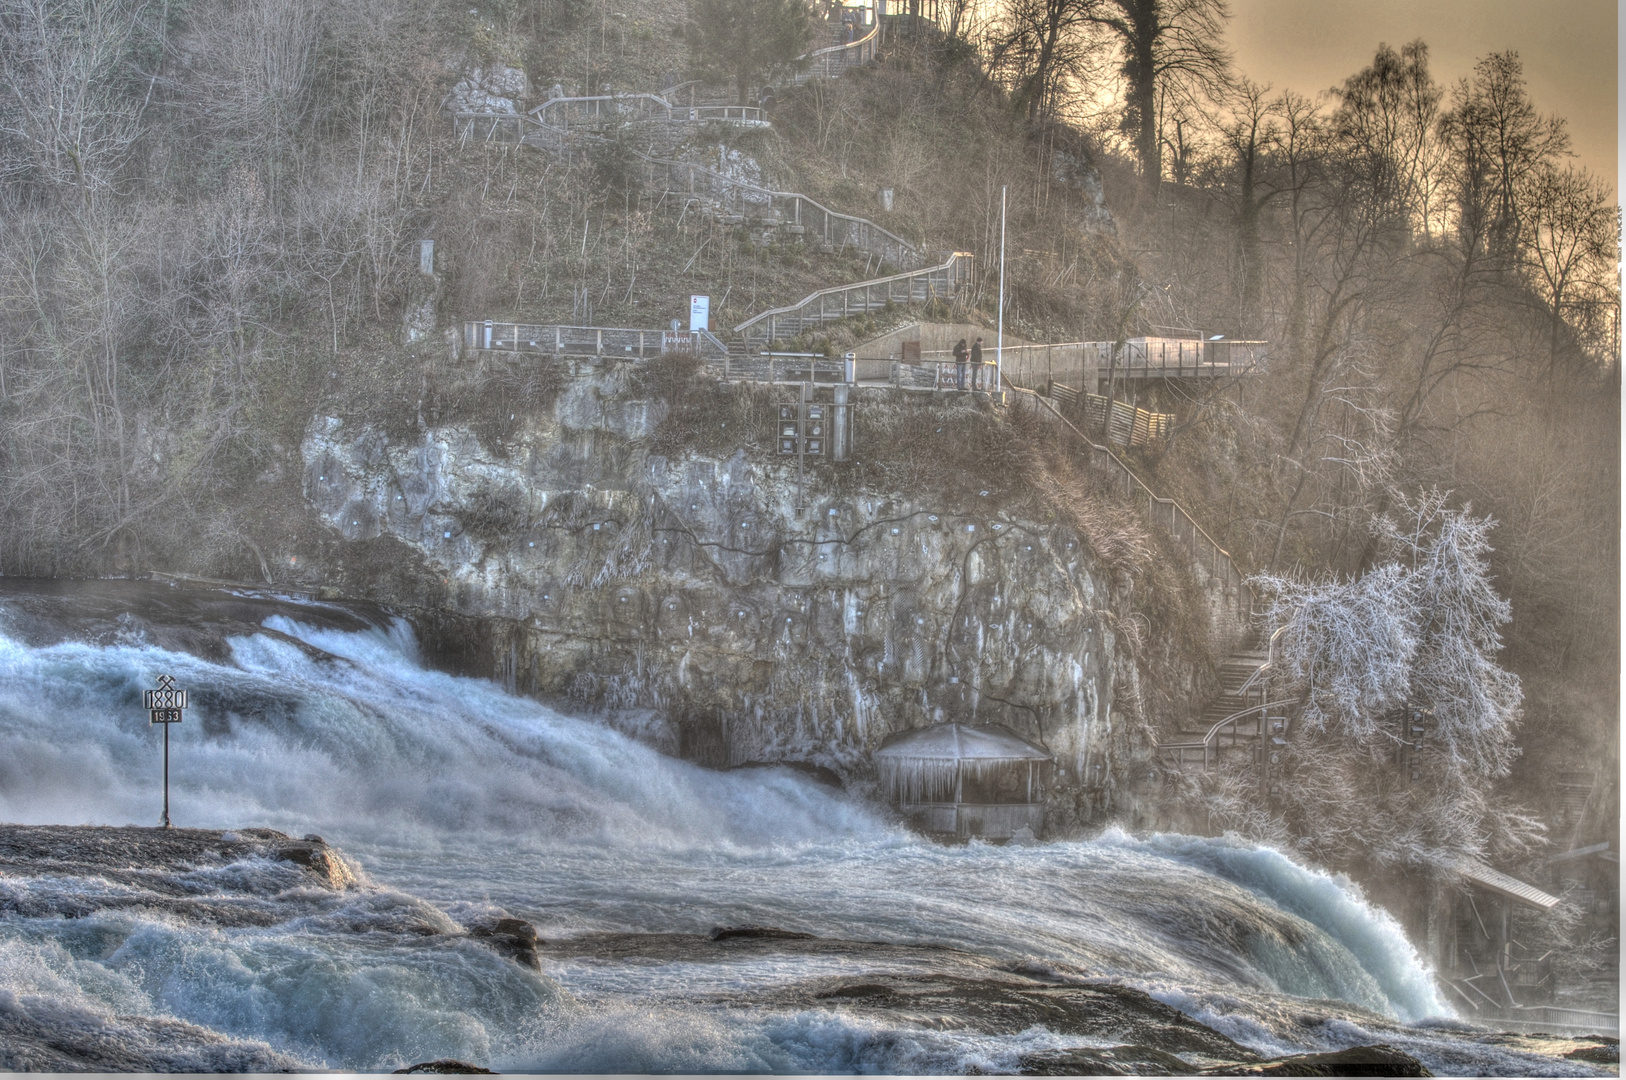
748 39
1571 249
1166 45
1499 142
1387 115
1043 43
73 91
251 76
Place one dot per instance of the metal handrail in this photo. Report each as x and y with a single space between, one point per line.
558 339
946 267
769 194
864 48
1270 661
904 248
598 100
1211 737
1214 728
1130 478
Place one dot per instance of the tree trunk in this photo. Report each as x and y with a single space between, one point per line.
1142 72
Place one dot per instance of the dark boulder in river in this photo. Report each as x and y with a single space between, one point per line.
513 938
1355 1061
444 1067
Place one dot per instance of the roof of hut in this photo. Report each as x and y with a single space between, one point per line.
958 742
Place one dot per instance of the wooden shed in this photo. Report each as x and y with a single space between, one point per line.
962 781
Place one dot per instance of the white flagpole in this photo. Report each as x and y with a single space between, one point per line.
999 341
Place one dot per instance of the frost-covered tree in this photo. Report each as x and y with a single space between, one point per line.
1458 617
1418 633
1347 648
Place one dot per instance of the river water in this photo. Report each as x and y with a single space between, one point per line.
448 792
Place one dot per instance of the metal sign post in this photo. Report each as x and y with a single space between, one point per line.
165 706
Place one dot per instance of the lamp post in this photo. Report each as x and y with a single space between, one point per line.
999 340
165 706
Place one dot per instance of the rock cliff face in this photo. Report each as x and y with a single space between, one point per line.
688 594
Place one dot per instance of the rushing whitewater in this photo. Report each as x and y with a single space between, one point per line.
460 801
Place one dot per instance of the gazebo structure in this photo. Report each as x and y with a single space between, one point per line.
962 781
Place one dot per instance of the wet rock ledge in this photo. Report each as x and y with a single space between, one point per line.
154 858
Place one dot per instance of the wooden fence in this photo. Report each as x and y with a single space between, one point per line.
1123 423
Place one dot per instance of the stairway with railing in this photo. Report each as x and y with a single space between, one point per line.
799 215
830 62
1231 599
948 282
1238 715
598 111
563 122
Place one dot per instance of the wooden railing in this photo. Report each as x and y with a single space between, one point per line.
1124 424
1214 560
947 281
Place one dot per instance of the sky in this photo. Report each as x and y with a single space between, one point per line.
1568 48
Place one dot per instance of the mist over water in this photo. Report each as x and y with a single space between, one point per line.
458 800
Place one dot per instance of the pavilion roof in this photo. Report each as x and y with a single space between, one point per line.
961 742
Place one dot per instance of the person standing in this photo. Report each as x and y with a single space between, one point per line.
976 362
959 363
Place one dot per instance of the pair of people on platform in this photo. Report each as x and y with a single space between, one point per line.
975 362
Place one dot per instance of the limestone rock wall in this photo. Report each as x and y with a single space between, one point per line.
575 562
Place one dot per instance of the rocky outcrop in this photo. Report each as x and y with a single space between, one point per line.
443 1067
40 1035
513 938
566 557
1377 1060
497 89
158 860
